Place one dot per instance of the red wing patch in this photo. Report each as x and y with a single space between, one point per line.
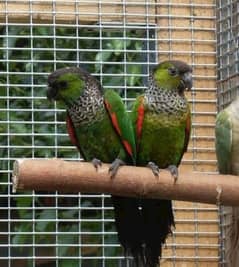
128 147
115 123
72 134
113 117
140 118
71 130
108 106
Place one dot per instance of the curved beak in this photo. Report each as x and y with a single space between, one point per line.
187 80
51 93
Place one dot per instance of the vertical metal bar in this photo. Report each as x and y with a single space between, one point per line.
124 3
227 55
147 23
170 28
79 194
8 135
32 132
56 132
106 22
100 31
196 241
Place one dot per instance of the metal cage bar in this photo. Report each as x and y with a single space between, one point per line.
228 89
118 42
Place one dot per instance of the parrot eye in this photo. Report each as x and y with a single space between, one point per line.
172 71
62 84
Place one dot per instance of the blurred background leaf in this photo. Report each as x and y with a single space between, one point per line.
31 126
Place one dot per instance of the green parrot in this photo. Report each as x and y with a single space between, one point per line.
97 122
162 123
227 151
227 139
99 126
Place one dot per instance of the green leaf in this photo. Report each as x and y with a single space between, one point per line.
133 79
49 216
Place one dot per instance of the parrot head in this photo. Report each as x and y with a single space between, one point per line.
173 74
68 84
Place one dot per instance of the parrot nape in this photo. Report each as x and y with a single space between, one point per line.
99 126
227 151
161 119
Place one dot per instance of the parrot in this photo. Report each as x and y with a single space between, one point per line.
227 151
161 118
100 127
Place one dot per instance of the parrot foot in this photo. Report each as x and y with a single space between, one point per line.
115 166
96 163
174 172
154 168
219 194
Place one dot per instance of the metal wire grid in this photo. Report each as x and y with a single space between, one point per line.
77 229
228 86
228 59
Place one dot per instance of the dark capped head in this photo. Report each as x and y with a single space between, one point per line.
173 74
68 84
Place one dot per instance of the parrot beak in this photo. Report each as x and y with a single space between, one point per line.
187 81
51 93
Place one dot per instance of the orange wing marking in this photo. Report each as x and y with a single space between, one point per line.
127 147
70 131
140 118
113 117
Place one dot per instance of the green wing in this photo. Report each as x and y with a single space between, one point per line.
137 118
223 143
121 122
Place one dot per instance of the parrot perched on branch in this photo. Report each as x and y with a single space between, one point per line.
99 126
162 122
227 152
97 122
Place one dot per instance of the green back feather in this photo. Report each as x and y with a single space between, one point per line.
223 143
117 107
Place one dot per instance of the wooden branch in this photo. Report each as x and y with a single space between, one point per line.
68 176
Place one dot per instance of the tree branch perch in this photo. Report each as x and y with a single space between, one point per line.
68 176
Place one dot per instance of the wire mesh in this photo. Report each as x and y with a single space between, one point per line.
118 42
228 62
228 89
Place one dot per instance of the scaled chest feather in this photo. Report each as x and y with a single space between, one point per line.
166 111
87 110
163 102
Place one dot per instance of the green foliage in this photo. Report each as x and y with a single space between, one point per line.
29 124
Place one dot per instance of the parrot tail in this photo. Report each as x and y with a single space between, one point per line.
128 221
158 221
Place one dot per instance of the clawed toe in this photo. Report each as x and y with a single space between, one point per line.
154 168
96 163
115 166
174 172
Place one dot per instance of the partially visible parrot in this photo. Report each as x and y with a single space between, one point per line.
99 126
227 152
162 121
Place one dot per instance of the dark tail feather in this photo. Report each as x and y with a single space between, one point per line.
158 221
128 222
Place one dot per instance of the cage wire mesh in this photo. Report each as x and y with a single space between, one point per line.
118 42
228 89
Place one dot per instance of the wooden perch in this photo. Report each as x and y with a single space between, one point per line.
68 176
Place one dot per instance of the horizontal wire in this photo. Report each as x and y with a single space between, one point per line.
36 56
